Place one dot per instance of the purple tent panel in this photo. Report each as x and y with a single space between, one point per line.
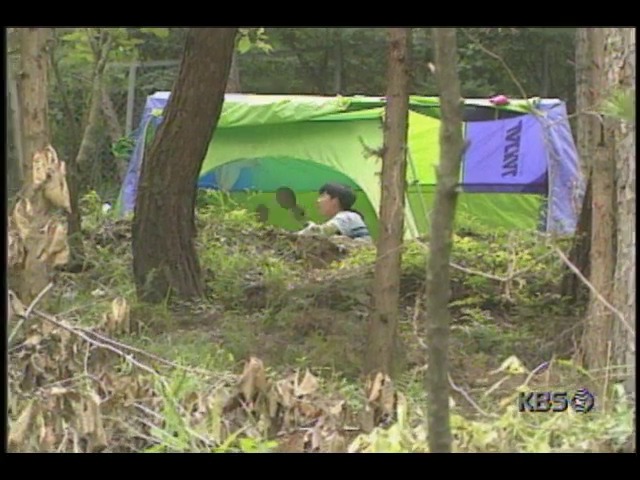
533 153
505 156
130 187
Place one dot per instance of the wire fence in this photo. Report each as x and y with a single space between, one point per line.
129 84
126 87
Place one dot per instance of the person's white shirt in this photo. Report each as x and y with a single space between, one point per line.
346 223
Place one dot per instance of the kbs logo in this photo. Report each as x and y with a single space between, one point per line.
581 402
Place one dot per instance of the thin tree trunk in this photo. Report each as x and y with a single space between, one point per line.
597 332
91 131
620 69
384 318
88 147
579 255
14 124
71 119
33 81
546 80
164 255
338 60
114 128
438 285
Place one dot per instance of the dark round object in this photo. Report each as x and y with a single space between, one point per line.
286 198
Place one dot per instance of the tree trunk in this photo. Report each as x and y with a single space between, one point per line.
14 136
620 69
597 332
438 285
234 85
572 286
33 82
164 255
546 80
339 61
114 128
91 131
88 146
384 318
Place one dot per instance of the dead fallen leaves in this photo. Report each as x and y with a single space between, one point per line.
67 394
37 237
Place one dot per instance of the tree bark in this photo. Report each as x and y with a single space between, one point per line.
164 255
338 60
572 286
87 148
233 84
620 69
115 130
438 285
597 332
384 318
33 82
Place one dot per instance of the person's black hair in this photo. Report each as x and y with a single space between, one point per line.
344 194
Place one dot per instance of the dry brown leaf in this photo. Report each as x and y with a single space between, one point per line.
19 429
58 391
91 424
21 216
285 389
336 410
33 339
273 402
53 248
47 437
335 443
253 380
16 251
119 319
388 397
374 387
16 306
40 166
308 410
308 385
50 172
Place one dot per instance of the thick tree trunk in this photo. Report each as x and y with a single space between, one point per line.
33 81
597 332
572 286
438 285
384 318
164 255
620 67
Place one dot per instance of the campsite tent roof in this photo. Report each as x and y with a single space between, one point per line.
262 139
242 110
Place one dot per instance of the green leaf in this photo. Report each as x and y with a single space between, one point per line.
244 44
621 105
158 32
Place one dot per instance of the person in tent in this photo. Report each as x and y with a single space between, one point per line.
335 202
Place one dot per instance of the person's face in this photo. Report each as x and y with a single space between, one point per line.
328 206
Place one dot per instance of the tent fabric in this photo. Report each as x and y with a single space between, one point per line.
516 154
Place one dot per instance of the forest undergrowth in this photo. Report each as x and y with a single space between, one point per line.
270 360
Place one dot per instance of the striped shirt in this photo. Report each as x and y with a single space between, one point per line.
345 223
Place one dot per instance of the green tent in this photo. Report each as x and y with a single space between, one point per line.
264 143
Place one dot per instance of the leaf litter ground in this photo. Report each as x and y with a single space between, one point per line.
270 361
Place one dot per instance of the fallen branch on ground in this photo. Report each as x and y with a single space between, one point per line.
593 290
